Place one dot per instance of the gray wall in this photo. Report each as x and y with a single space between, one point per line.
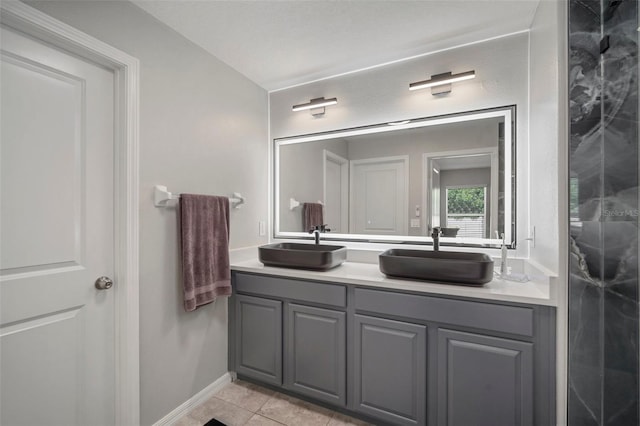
203 129
549 164
381 95
548 134
523 69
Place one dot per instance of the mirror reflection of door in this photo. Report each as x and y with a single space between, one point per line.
336 192
379 190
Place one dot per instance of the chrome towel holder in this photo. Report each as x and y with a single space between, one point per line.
161 196
293 203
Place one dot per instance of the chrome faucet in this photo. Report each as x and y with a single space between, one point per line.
435 234
316 230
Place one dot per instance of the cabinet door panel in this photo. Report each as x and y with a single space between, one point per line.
484 380
259 338
315 356
390 370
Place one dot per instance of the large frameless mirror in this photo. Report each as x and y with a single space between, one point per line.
394 182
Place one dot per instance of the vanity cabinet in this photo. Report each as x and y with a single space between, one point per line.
390 374
395 357
484 380
287 341
315 353
490 363
259 338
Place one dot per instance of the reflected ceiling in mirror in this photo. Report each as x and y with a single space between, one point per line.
394 182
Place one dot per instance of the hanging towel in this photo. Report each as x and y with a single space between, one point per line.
204 228
312 215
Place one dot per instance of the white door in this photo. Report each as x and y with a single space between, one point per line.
57 237
336 192
379 188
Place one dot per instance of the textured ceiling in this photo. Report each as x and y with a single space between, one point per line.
278 44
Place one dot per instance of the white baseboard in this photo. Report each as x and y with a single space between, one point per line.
194 401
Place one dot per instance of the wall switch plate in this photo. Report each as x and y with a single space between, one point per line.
262 228
415 223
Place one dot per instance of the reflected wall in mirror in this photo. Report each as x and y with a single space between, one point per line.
396 181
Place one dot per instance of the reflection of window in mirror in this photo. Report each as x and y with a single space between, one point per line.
466 211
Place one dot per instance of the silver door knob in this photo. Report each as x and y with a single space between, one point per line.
104 283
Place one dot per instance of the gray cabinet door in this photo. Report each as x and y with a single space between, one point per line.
390 370
315 354
484 380
259 338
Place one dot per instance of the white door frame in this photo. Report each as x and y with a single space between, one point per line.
24 18
427 159
344 184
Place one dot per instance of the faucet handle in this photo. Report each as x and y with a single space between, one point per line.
319 228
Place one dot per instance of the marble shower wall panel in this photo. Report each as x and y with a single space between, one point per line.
586 129
585 106
585 343
586 332
603 283
620 213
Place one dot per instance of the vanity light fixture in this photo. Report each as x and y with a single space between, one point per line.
441 83
315 105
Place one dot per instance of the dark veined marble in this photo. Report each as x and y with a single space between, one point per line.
585 341
603 283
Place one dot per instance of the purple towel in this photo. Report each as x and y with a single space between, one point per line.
312 215
204 228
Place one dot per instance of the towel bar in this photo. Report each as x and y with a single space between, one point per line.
161 196
293 203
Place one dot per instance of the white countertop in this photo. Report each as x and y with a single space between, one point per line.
539 290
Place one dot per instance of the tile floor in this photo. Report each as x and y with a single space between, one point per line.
243 403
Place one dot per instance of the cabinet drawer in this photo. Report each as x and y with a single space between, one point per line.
487 316
306 291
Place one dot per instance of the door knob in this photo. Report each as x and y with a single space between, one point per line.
104 283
